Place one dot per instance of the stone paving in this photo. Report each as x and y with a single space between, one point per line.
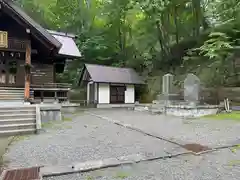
213 133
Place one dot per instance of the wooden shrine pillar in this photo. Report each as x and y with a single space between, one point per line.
27 72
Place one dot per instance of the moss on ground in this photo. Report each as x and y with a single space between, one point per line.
235 115
58 124
121 175
5 142
66 118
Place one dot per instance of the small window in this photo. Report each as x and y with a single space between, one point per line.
3 77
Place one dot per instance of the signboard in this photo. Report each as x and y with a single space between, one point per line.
3 39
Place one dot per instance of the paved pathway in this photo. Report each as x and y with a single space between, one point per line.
88 137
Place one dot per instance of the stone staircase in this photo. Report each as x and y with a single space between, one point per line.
11 96
16 120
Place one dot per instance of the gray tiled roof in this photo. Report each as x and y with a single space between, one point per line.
69 47
108 74
16 10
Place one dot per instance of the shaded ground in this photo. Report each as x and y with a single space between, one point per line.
219 165
4 143
205 132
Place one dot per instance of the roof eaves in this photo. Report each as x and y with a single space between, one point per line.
71 35
15 9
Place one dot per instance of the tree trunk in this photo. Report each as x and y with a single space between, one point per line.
176 24
160 36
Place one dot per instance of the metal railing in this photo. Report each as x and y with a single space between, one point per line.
50 92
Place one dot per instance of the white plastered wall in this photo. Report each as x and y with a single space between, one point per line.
103 93
130 94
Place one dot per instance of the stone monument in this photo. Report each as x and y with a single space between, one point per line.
192 89
167 84
167 88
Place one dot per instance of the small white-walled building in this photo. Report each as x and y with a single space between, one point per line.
110 86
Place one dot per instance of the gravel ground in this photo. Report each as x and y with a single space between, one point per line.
221 165
206 132
84 138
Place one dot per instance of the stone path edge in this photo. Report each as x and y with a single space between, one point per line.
173 141
48 171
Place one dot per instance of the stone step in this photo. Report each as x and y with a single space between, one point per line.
11 91
17 116
17 132
12 127
9 99
17 111
17 121
22 106
17 107
11 94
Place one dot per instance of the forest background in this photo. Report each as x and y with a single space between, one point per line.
152 36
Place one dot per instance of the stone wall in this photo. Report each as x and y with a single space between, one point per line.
179 110
50 113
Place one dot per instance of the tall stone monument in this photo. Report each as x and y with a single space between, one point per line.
192 89
167 88
167 84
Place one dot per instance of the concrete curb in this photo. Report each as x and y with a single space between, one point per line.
49 171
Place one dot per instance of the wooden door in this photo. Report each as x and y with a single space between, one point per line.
117 94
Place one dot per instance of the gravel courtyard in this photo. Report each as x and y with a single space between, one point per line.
88 137
221 165
84 138
213 133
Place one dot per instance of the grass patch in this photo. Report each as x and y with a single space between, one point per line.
77 113
21 138
66 119
4 144
49 124
57 124
234 163
235 115
121 175
89 178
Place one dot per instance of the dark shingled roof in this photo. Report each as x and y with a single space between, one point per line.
16 10
108 74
